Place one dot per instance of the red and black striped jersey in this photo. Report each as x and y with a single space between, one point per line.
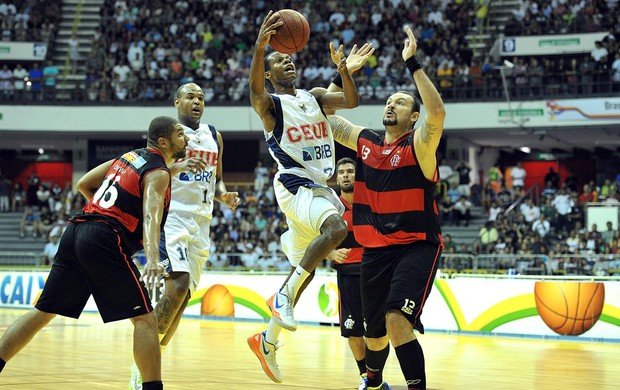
119 199
355 256
393 203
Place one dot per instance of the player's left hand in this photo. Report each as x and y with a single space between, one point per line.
153 271
195 165
411 45
231 199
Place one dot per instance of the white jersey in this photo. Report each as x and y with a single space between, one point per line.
301 142
193 194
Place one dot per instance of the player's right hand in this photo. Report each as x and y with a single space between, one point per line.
341 255
267 29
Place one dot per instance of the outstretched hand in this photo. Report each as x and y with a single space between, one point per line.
267 29
411 45
356 59
230 199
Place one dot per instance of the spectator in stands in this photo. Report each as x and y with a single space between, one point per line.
518 175
463 170
30 219
494 210
596 237
549 191
572 242
43 196
504 197
5 189
34 181
462 211
50 250
529 210
20 74
74 52
588 195
261 177
17 197
599 52
553 177
542 227
454 193
609 234
445 207
495 177
6 82
50 75
488 236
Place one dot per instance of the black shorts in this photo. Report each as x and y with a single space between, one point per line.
91 259
398 277
351 319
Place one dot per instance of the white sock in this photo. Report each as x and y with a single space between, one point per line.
272 333
296 280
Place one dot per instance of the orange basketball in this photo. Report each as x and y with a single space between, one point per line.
293 35
218 301
569 308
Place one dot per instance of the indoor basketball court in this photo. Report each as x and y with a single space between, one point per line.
206 354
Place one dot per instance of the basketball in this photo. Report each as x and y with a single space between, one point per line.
569 308
293 35
218 302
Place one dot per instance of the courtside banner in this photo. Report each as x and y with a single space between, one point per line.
549 44
23 51
509 306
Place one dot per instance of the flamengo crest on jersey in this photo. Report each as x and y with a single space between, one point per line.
193 193
301 142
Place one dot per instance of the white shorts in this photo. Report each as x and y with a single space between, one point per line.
305 213
187 245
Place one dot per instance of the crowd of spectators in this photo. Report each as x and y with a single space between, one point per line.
546 231
29 20
144 49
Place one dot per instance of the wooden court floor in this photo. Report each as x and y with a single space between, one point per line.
86 354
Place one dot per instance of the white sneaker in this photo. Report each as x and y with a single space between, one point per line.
135 382
266 354
281 305
363 382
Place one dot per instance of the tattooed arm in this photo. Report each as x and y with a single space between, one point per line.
345 132
427 137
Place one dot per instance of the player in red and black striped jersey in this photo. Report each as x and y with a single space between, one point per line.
395 218
128 201
347 260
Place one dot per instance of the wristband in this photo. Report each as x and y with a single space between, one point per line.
413 64
337 80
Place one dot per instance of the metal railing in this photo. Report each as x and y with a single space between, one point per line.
487 87
450 263
20 258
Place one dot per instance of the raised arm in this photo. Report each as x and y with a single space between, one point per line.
355 60
345 132
259 97
427 137
348 98
155 185
91 181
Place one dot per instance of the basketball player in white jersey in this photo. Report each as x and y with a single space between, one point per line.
300 141
196 183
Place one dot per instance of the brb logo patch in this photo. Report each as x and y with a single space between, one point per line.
318 152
